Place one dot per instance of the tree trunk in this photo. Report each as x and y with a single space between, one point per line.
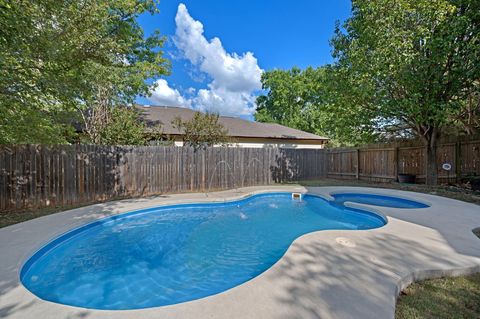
431 161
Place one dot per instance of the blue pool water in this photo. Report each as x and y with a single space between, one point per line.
377 200
168 255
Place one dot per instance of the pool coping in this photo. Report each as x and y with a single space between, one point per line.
317 277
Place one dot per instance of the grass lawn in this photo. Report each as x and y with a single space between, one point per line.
450 298
10 218
441 298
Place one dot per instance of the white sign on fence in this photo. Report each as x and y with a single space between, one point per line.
447 166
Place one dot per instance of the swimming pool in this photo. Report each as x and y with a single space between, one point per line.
172 254
377 200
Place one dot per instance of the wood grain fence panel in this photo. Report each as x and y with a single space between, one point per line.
376 163
8 177
470 158
42 176
341 163
412 160
9 181
384 162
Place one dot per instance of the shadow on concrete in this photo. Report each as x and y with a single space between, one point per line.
368 272
367 275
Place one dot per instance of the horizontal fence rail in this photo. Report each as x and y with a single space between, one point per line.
35 176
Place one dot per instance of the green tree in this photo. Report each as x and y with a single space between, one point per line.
58 57
202 130
292 98
417 60
119 125
308 100
350 118
125 128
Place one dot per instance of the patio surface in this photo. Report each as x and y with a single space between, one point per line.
325 274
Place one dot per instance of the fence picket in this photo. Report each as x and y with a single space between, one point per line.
41 176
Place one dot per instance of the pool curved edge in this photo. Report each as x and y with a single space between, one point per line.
369 208
406 198
71 233
245 295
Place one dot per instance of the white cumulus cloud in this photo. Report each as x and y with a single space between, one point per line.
234 78
237 73
163 94
225 102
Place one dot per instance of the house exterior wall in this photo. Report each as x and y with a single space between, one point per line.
274 143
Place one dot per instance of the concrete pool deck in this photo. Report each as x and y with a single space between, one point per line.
325 274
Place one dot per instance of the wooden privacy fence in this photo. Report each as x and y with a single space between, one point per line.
384 162
33 176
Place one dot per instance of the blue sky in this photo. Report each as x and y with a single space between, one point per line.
219 48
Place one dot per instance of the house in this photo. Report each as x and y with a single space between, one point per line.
244 133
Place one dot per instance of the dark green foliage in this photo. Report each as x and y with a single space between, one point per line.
311 100
417 65
56 56
402 69
293 98
123 128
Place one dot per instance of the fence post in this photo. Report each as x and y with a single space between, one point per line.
395 163
458 161
357 175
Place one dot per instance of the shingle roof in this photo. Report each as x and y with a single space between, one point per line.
236 127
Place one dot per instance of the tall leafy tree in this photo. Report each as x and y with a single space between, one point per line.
309 100
349 109
291 98
58 57
418 60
